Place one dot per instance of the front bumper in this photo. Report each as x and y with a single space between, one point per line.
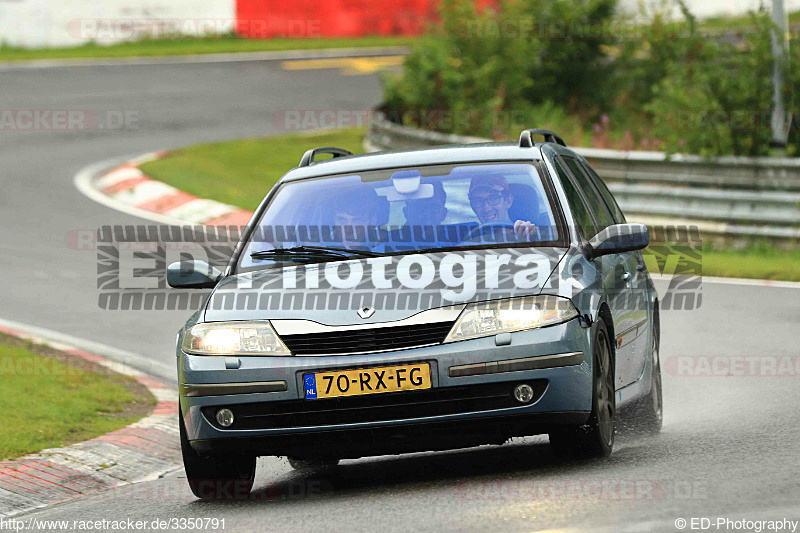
563 396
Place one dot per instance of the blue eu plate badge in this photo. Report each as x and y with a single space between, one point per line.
310 382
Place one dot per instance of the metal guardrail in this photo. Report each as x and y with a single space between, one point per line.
737 198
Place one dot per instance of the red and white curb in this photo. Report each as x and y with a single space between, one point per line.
141 451
126 188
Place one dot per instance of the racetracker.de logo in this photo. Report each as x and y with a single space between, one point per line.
67 119
582 490
132 28
733 365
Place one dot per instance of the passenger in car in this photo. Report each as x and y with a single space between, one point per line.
491 198
357 216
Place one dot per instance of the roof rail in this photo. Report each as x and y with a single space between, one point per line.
525 140
308 157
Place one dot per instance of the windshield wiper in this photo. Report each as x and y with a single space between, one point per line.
362 253
311 253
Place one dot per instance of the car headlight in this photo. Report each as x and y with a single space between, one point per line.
513 314
233 338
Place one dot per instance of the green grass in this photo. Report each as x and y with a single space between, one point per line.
192 45
241 172
48 403
755 262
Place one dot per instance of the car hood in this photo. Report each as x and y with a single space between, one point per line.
396 287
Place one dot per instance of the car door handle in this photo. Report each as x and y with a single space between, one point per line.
626 276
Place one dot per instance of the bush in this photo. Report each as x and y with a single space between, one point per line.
715 96
483 71
667 85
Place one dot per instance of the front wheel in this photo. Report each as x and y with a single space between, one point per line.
595 438
216 476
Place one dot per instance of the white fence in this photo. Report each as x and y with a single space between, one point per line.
43 23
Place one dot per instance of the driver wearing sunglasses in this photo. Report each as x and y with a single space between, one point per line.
491 198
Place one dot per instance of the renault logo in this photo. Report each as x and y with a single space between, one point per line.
366 312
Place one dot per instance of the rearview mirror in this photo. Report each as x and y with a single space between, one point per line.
406 185
192 275
619 238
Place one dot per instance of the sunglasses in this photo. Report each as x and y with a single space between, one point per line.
493 200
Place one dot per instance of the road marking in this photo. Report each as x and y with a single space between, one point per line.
350 66
736 281
161 370
144 192
206 58
127 189
113 178
84 182
199 210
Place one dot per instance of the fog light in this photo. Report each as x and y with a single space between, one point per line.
225 417
522 393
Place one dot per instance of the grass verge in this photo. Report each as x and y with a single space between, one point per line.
758 262
192 46
240 173
49 398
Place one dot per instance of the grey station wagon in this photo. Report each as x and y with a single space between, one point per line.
419 300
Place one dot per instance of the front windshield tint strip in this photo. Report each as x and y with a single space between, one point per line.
407 210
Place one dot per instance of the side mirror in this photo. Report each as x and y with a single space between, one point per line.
619 238
192 275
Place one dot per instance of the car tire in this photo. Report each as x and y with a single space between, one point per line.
309 465
215 476
595 438
648 414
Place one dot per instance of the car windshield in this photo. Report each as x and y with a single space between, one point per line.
437 207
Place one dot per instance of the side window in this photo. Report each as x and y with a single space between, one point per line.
611 202
596 204
583 219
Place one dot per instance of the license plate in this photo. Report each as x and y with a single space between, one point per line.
367 381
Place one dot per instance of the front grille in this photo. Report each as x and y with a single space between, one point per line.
367 340
374 407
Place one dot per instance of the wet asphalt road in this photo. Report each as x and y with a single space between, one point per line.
729 445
